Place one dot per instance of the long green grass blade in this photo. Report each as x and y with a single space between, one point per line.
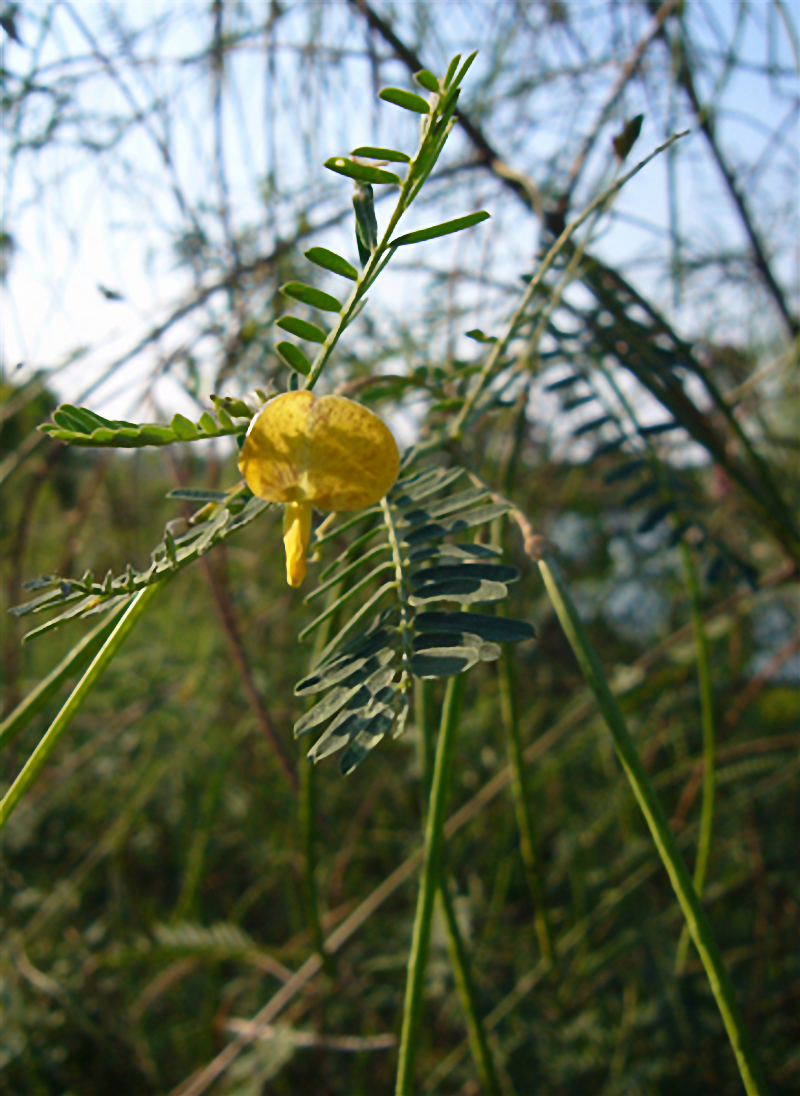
699 925
73 705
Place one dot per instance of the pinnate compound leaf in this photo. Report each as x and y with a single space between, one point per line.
302 328
374 153
444 229
309 294
405 99
364 173
329 260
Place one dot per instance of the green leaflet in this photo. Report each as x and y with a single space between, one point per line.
302 328
443 229
494 629
366 221
294 357
308 294
363 173
466 591
427 80
390 154
329 260
405 99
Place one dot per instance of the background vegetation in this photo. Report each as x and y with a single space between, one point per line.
157 878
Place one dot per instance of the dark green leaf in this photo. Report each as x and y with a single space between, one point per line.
444 661
405 99
390 154
345 597
444 229
460 501
366 740
373 655
302 328
578 401
640 494
434 530
427 80
627 138
493 572
466 591
624 471
366 222
294 357
328 706
329 260
608 447
454 551
364 173
421 486
589 427
308 294
655 517
198 494
480 336
658 428
564 382
495 629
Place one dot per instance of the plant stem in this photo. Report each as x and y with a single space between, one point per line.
699 925
527 832
431 870
107 652
709 760
459 960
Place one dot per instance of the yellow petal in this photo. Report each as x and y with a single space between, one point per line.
328 450
296 535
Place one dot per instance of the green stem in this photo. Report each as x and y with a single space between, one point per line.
431 870
709 760
527 833
73 705
699 925
459 960
80 655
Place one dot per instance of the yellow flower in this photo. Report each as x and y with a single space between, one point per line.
327 451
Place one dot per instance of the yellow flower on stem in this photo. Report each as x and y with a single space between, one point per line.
325 451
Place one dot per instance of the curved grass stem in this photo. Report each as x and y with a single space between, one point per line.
104 656
698 923
709 749
429 884
527 832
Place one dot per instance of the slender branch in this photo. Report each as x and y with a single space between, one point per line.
527 832
705 120
230 626
709 760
